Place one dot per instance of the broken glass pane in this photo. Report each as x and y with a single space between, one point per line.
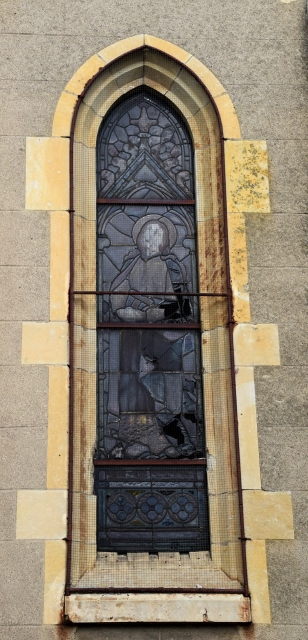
153 399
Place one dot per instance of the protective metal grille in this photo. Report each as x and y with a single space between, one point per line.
146 513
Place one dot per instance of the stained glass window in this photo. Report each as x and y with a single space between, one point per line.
149 462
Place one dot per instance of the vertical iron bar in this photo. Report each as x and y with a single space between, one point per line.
71 356
232 364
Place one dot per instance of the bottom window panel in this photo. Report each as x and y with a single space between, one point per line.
152 508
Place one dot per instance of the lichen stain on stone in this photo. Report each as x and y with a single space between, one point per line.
248 178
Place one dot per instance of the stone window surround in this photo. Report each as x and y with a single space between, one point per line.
267 515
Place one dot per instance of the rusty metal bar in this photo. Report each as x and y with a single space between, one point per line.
150 325
148 462
71 357
144 202
152 590
231 324
148 293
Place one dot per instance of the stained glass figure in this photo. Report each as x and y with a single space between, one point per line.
150 404
143 250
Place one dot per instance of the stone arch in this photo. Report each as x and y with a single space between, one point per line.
94 65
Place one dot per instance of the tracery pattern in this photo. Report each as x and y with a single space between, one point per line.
144 149
152 508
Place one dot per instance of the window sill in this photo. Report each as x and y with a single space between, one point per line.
172 607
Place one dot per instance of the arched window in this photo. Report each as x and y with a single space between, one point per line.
151 373
150 455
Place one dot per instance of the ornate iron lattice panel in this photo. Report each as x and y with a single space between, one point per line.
149 373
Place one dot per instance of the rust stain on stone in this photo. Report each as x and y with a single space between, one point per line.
63 632
248 632
244 611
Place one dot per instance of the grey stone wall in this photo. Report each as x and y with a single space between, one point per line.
258 51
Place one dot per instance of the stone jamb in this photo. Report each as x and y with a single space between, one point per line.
242 158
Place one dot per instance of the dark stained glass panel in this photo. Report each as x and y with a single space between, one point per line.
157 508
150 403
147 249
150 398
144 151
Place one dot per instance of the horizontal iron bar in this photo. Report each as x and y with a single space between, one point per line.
147 293
140 528
152 590
148 325
144 202
148 462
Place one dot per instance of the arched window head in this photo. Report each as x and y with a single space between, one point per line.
145 151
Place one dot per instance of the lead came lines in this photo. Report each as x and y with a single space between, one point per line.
150 403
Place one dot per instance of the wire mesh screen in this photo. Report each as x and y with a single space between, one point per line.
153 466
